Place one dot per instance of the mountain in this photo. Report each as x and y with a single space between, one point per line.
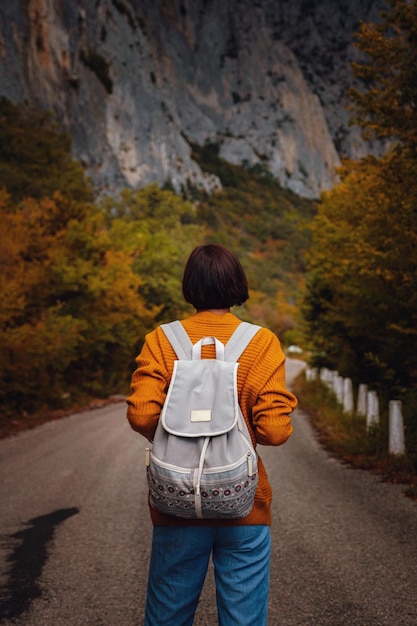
137 82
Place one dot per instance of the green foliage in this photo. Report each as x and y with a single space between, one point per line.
35 156
70 311
83 282
71 317
268 227
160 226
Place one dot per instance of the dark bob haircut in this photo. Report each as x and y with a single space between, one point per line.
214 279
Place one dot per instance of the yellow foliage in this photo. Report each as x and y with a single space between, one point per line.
70 311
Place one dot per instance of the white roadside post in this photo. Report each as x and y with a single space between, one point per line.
311 373
333 374
372 415
327 377
396 428
338 388
362 407
347 396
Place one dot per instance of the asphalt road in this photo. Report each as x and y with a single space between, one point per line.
75 531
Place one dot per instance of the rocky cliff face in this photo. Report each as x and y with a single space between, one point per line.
136 81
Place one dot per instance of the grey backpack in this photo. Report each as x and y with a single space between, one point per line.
202 463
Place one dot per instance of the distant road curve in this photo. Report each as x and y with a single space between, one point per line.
75 531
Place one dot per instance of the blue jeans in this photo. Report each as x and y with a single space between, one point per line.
179 562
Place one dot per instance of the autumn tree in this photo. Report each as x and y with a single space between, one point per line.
83 281
71 316
361 304
82 284
386 106
161 226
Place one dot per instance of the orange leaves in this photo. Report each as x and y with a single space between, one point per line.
69 294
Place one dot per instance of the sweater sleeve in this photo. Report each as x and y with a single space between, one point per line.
148 388
271 411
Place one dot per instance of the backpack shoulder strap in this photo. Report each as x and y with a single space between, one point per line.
240 339
179 340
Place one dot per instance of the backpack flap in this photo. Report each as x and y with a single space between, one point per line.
202 399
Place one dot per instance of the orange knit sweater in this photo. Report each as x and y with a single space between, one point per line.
265 402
